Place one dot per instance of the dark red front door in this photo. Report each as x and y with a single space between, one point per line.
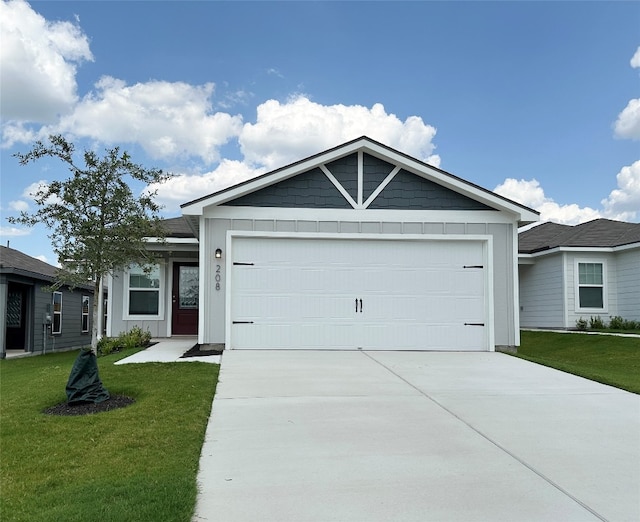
185 299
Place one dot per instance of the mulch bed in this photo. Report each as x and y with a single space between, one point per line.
113 403
202 350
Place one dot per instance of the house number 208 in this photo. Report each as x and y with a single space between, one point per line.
218 277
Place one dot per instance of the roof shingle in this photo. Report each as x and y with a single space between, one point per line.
597 233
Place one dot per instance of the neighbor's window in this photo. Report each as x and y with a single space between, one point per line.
144 290
56 327
85 313
591 285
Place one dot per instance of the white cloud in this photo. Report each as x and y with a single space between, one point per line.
168 120
624 202
38 61
18 206
531 194
628 123
635 59
286 132
187 187
32 190
14 231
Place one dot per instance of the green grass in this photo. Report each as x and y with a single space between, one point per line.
137 463
607 359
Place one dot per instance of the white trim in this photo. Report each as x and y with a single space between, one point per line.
486 239
172 240
605 283
362 215
565 296
381 187
126 316
515 284
577 285
110 305
585 250
360 178
204 276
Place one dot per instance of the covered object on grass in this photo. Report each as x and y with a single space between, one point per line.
84 384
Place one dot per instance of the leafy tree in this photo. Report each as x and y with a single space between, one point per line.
97 224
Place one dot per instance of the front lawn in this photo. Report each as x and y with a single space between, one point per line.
137 463
607 359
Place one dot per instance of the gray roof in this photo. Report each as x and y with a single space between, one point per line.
14 261
177 227
597 233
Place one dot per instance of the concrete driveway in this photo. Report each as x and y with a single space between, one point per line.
415 436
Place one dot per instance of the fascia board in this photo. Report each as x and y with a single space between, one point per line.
585 250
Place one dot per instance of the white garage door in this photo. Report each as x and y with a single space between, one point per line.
291 293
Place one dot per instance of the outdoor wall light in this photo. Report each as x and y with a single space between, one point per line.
218 253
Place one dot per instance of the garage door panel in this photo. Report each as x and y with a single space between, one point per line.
349 294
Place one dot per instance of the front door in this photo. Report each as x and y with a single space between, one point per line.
17 316
185 299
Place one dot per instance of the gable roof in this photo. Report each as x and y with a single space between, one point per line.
15 262
599 233
401 161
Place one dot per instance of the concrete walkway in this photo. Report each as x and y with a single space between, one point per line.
415 436
169 350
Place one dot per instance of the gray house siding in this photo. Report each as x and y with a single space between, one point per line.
628 280
38 336
541 293
628 263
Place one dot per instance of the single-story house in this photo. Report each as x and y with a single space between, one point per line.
34 319
583 271
358 247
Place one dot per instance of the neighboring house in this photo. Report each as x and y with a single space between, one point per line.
358 247
33 319
583 271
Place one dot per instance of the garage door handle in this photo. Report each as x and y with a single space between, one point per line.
360 305
358 301
241 322
474 324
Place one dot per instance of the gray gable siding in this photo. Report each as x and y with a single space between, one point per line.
311 189
374 172
408 191
345 170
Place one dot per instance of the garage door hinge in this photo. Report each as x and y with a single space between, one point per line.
242 322
473 266
474 324
242 264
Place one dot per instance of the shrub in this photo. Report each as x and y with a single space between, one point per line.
596 323
617 323
134 338
581 324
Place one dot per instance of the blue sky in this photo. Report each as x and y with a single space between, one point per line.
539 101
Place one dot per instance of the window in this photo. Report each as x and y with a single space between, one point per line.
590 290
56 327
143 292
85 313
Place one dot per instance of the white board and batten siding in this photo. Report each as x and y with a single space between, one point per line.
358 292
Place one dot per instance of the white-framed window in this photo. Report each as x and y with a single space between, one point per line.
56 324
591 277
143 292
85 314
